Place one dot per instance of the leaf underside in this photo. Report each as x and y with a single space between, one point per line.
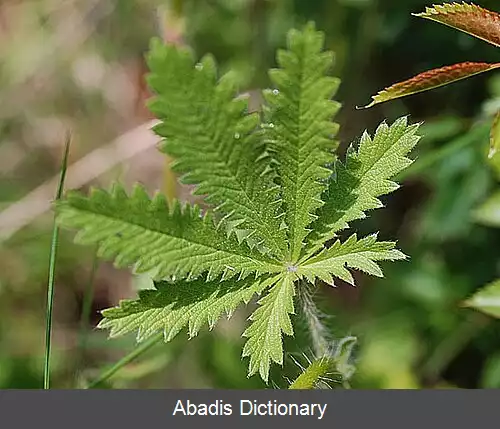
469 18
432 79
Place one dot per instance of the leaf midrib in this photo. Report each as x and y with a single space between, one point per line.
270 263
361 186
233 172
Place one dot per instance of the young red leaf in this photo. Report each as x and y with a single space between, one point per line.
466 17
432 79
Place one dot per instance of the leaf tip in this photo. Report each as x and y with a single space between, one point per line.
373 102
466 303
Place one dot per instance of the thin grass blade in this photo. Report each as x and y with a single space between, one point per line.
52 269
134 354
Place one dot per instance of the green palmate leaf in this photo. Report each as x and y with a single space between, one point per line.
431 79
487 299
213 143
299 129
275 200
269 322
365 176
469 18
172 306
151 237
353 253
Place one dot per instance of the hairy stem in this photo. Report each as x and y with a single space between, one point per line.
85 316
314 374
317 330
331 357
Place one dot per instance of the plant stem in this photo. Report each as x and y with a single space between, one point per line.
52 269
87 302
86 309
312 315
142 348
452 346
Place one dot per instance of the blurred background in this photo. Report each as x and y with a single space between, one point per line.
78 65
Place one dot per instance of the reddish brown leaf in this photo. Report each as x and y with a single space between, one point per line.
466 17
431 79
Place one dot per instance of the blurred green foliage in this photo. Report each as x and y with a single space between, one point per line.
79 65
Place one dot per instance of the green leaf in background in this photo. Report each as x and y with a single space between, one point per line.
490 378
487 299
488 213
495 136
